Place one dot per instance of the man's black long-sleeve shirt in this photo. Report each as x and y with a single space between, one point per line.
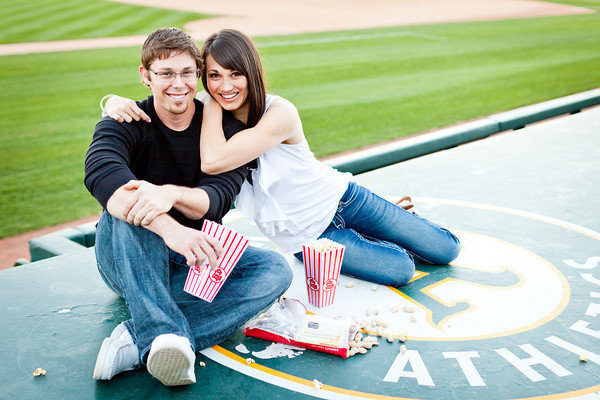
122 151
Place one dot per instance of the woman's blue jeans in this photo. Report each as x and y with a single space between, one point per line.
136 264
381 238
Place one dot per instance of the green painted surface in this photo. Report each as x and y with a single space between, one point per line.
546 170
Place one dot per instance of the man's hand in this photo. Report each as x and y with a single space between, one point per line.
194 245
147 201
211 106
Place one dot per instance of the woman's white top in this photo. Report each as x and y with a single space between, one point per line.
294 196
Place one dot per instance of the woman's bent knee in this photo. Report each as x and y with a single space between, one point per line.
449 251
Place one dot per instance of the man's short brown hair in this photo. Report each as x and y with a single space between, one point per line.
162 42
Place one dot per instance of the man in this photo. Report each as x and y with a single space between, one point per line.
148 179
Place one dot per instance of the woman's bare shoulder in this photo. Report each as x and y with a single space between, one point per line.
283 103
283 107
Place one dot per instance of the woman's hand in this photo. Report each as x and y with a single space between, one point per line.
124 110
406 203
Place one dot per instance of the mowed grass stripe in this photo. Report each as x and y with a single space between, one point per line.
37 14
44 26
165 18
349 93
593 4
41 20
110 22
117 23
20 9
159 18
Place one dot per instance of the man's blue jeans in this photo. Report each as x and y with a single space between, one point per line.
381 238
137 265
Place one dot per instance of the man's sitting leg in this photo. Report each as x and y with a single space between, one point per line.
135 262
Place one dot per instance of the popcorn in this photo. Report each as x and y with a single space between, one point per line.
39 371
205 283
322 264
324 245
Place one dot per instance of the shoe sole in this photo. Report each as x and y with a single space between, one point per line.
99 361
170 366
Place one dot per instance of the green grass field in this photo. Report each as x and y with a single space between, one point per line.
43 20
351 88
592 4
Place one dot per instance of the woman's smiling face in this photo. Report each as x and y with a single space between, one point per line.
228 87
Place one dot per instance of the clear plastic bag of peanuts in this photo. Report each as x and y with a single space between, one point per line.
287 322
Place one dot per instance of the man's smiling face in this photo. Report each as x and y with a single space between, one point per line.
173 94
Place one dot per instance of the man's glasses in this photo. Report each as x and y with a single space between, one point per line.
187 75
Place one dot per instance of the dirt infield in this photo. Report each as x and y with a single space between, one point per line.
281 17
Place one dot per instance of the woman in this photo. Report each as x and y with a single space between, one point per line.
294 198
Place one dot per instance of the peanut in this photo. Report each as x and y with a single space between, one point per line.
403 349
370 339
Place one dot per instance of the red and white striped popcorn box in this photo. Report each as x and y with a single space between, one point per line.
205 283
322 264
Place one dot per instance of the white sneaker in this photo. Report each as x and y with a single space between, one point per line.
171 360
117 354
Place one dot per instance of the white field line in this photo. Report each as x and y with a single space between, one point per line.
352 37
